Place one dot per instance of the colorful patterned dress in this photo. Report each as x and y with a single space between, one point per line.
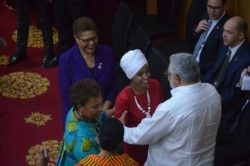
79 140
95 160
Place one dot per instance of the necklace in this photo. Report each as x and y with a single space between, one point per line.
147 113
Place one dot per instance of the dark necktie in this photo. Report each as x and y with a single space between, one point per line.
201 40
223 67
236 121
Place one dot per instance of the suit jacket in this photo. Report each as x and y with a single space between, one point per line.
226 85
72 68
210 49
234 147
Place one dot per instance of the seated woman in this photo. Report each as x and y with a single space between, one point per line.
82 122
140 98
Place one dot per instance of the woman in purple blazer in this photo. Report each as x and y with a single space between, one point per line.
87 59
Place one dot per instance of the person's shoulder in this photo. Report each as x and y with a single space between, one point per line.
70 114
244 52
153 82
68 53
208 87
131 160
220 23
222 20
246 44
124 96
124 93
87 159
225 17
102 47
104 51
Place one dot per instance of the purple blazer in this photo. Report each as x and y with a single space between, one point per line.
72 68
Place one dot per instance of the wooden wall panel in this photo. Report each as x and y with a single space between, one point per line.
151 6
182 14
242 9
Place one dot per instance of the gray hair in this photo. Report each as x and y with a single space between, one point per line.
185 67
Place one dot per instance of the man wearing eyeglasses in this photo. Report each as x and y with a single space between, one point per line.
208 34
182 130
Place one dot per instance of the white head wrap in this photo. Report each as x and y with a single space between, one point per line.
132 61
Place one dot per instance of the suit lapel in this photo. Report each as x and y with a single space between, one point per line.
217 29
233 62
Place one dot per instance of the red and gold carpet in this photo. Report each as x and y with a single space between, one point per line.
30 106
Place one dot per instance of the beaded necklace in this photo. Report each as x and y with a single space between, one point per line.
147 113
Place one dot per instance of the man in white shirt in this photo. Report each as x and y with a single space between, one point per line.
183 129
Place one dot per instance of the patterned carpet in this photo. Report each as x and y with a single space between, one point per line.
30 106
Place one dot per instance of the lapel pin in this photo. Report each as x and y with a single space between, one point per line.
100 65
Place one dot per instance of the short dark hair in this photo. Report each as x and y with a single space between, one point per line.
110 134
82 91
83 24
224 2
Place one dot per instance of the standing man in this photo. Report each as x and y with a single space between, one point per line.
233 146
183 129
66 12
24 11
234 38
208 34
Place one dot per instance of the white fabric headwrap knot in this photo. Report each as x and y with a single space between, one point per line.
132 61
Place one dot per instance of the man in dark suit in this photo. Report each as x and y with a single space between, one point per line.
208 34
234 38
66 12
233 137
24 12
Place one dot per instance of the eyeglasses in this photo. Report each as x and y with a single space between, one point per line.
167 74
215 8
87 41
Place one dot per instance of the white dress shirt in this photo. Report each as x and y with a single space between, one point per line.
182 131
235 49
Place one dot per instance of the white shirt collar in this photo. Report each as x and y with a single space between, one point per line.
234 49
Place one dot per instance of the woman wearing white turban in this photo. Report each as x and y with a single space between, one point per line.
140 98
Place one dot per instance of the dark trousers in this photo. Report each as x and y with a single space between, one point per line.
66 12
24 10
